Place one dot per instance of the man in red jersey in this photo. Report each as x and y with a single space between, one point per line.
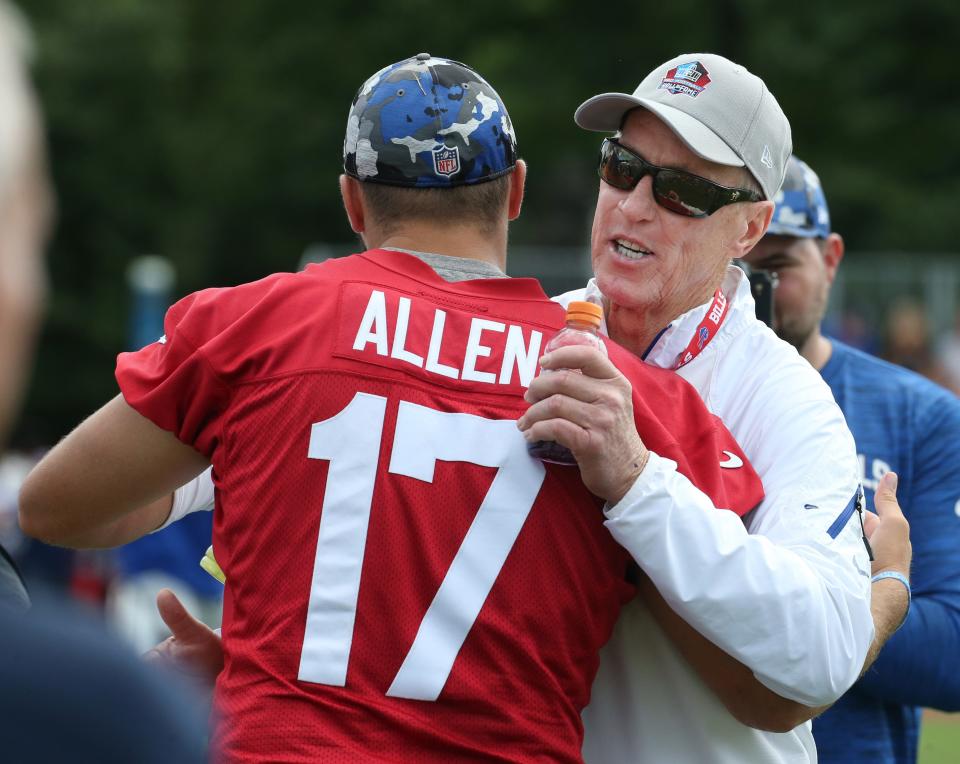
404 582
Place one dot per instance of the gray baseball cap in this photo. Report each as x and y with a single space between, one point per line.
721 111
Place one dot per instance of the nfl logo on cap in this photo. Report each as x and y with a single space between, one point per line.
446 161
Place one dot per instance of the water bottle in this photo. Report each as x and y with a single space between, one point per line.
583 325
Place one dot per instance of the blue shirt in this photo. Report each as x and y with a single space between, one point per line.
905 423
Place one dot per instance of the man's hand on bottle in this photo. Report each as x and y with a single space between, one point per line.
586 404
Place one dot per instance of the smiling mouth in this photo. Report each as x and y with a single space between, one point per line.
630 250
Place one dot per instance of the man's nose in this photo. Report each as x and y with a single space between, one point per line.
638 204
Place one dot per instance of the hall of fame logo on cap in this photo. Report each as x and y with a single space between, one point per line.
446 161
690 79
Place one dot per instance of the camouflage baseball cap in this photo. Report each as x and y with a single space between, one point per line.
428 123
801 206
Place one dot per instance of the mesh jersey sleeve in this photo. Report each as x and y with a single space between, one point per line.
175 382
673 422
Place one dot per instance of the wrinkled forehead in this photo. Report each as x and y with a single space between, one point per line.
651 137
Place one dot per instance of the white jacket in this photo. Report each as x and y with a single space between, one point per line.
788 595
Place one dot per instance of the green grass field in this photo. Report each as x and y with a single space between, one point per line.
940 739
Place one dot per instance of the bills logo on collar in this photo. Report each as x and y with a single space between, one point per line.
703 337
706 331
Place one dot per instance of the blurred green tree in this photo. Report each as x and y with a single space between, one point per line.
211 132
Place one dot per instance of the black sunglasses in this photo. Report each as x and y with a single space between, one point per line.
678 191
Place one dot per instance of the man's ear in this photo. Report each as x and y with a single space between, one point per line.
757 221
353 203
518 182
833 249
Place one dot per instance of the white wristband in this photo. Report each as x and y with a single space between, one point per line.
195 496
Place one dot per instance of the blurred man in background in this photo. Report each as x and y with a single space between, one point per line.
908 342
903 423
948 355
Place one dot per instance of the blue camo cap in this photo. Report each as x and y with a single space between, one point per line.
801 207
428 122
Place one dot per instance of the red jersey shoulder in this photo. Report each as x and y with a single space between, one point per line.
208 312
673 420
393 314
375 313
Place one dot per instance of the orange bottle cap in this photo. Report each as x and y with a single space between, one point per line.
585 312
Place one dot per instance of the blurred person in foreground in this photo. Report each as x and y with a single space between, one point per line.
404 581
787 603
901 422
70 692
25 216
26 212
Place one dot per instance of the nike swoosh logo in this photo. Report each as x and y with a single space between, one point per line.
732 461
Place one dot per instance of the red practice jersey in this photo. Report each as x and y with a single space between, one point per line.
404 582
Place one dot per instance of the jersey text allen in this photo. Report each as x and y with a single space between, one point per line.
445 342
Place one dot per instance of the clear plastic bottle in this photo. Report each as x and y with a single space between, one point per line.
583 326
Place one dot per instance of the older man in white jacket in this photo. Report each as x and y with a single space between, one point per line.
687 184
